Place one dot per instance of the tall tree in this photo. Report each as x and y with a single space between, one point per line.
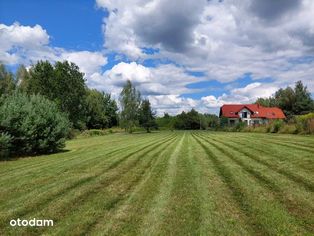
96 114
7 82
130 100
303 101
292 101
111 110
42 80
267 102
22 78
147 116
62 83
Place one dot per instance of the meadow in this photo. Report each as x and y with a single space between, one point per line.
165 183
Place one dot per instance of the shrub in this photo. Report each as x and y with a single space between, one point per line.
288 129
93 132
5 144
34 123
275 126
305 123
240 126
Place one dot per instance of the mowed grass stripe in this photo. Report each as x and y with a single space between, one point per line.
90 172
27 207
79 164
306 183
297 207
154 218
128 216
30 164
220 214
182 211
166 183
295 157
265 216
109 193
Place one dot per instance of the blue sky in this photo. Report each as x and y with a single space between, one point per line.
180 54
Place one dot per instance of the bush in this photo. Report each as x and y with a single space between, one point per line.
240 126
34 123
5 144
288 129
275 126
93 132
305 123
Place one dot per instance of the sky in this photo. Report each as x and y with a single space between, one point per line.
180 54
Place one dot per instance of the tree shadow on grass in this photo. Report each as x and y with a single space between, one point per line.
15 157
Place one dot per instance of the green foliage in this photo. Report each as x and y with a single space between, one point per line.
295 101
188 120
22 78
303 101
240 126
305 123
191 120
147 118
275 126
130 100
5 144
62 83
267 102
7 82
93 132
166 122
34 123
96 110
111 110
223 122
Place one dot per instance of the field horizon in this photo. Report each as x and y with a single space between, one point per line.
165 183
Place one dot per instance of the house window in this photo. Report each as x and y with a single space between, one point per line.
244 114
232 122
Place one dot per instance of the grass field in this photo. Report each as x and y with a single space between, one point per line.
167 183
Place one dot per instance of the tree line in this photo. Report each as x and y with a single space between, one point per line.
191 120
293 101
40 106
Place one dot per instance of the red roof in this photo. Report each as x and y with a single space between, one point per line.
257 111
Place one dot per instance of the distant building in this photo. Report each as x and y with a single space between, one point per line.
252 114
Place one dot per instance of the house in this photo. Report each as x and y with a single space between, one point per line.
252 114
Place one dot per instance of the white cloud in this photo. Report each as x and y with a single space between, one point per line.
225 39
160 80
89 62
26 45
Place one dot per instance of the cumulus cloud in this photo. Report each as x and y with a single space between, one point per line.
89 62
26 45
161 80
225 39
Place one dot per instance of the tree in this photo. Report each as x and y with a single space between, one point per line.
267 102
295 101
7 83
31 125
42 80
285 98
130 100
96 110
62 83
111 110
147 116
22 77
303 101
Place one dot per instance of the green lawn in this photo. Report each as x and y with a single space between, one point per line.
167 183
